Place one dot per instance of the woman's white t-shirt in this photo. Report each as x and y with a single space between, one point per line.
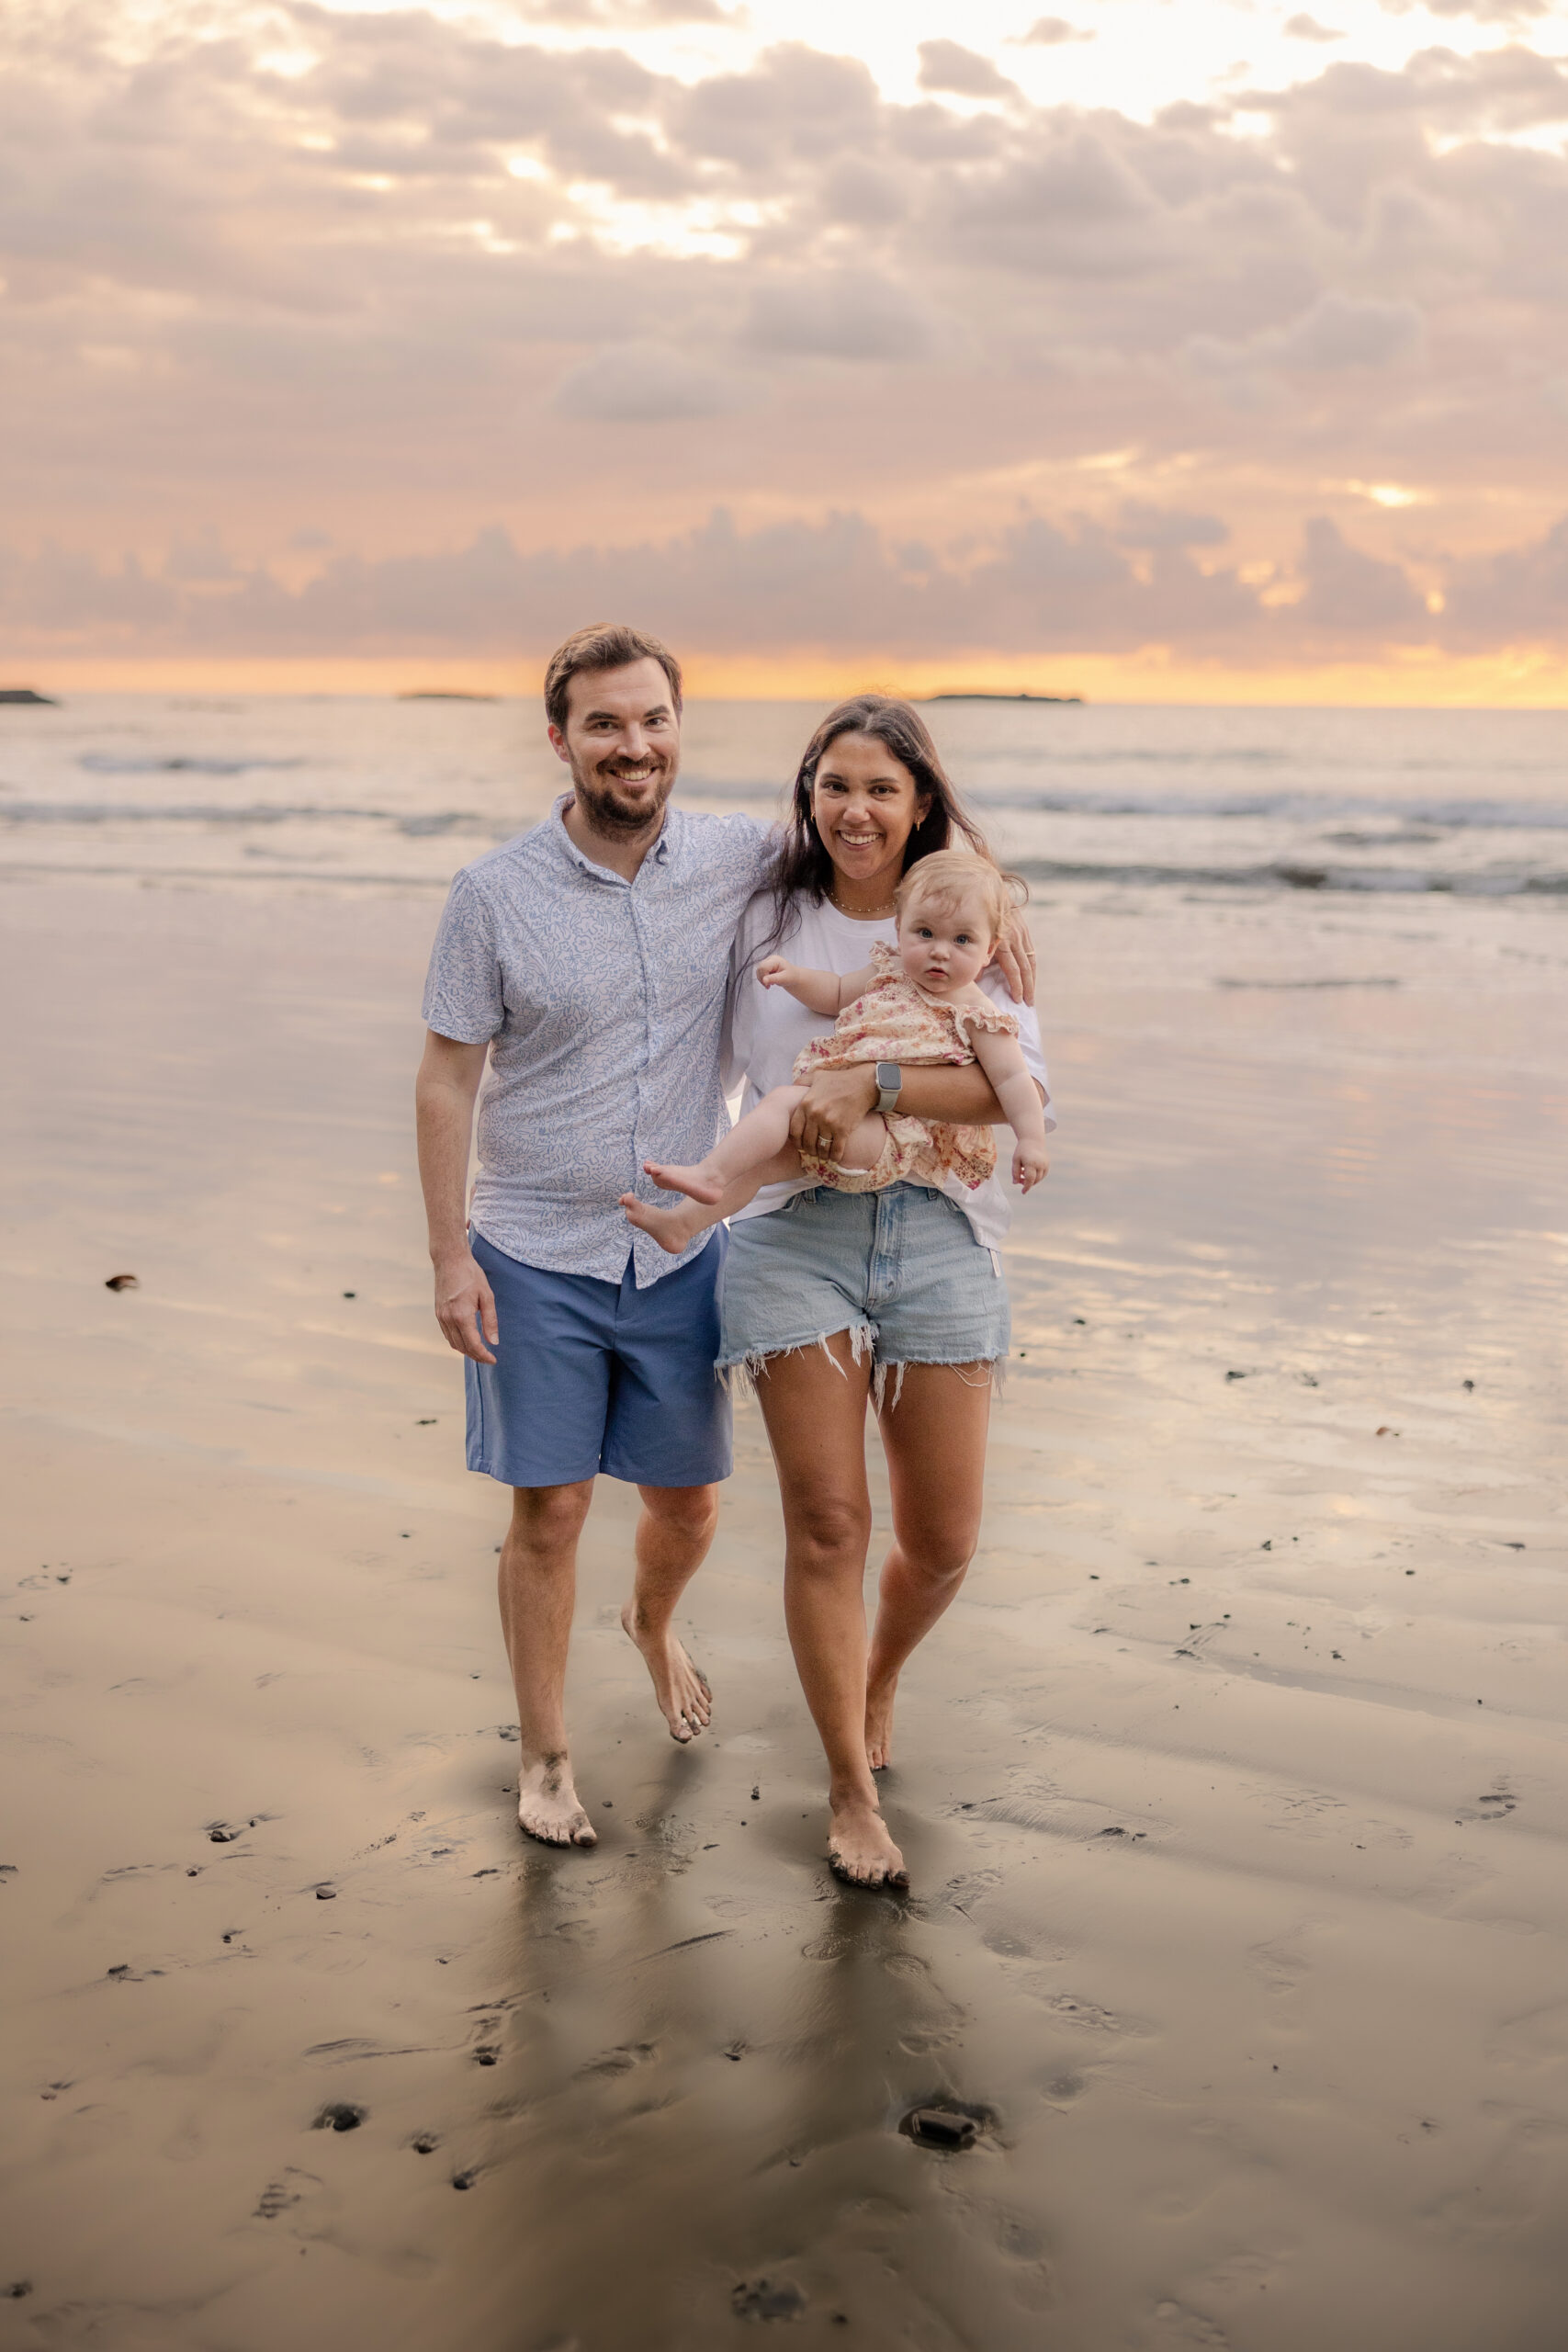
765 1028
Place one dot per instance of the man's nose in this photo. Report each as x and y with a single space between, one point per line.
633 745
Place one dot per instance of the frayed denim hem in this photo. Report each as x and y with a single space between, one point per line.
739 1377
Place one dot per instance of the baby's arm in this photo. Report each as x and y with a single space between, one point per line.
823 992
1001 1058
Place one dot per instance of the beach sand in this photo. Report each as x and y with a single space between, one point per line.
1240 1932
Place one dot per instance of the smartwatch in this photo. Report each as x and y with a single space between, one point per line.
889 1086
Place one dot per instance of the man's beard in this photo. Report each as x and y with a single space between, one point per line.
608 811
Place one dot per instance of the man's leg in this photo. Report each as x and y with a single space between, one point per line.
673 1534
538 1588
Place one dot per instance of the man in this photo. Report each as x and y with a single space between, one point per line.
588 958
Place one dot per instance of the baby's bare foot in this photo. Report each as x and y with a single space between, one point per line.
695 1182
547 1806
671 1228
685 1702
879 1724
858 1847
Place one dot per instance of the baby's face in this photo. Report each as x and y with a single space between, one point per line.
944 947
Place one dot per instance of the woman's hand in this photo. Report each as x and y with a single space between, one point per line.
1014 960
836 1101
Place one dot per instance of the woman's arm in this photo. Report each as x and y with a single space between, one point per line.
838 1100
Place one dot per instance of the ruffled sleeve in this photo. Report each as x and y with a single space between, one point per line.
966 1017
887 962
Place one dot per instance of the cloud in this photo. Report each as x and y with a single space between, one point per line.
948 65
1308 28
309 272
629 15
840 315
1349 330
1140 525
1350 596
643 383
1517 594
1049 32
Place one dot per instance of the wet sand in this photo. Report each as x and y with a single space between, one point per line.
1234 1786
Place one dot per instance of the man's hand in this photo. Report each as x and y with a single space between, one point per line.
1014 960
1029 1165
465 1306
836 1101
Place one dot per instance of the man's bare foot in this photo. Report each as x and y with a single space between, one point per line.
547 1806
858 1847
685 1702
671 1228
695 1182
879 1725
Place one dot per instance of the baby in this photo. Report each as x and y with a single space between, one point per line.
920 1007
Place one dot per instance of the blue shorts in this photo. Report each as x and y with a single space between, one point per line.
592 1376
900 1271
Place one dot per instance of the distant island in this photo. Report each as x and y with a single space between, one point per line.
26 694
444 693
961 698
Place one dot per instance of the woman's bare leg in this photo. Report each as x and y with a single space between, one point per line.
815 1412
935 1443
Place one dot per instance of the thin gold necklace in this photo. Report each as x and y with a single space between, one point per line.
870 912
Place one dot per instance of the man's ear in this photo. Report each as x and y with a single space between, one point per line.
558 743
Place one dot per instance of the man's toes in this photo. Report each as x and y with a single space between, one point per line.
582 1832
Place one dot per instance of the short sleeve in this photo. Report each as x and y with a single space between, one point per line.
993 1017
463 998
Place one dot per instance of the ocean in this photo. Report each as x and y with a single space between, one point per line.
359 793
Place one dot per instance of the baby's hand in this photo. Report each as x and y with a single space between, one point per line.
1029 1165
774 971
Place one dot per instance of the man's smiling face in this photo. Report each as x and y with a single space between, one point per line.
622 742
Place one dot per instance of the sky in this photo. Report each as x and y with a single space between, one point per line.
1196 350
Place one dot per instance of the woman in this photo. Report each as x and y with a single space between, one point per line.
831 1301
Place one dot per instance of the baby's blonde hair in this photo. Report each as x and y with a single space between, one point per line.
951 878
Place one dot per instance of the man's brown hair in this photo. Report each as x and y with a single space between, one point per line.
604 645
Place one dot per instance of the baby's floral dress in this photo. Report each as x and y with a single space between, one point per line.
896 1021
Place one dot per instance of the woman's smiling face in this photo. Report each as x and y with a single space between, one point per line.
865 804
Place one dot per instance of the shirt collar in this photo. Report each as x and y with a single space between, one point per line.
660 850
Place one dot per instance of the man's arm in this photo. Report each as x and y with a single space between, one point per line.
444 1094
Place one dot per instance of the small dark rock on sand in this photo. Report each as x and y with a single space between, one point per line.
340 2116
767 2298
18 2288
123 1282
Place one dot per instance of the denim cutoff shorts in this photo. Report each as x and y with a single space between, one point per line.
900 1271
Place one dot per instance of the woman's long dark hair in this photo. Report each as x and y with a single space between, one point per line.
804 866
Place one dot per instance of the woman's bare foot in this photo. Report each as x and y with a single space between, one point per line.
671 1228
858 1847
685 1702
879 1725
547 1806
695 1182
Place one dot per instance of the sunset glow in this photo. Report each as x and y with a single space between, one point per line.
1143 352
